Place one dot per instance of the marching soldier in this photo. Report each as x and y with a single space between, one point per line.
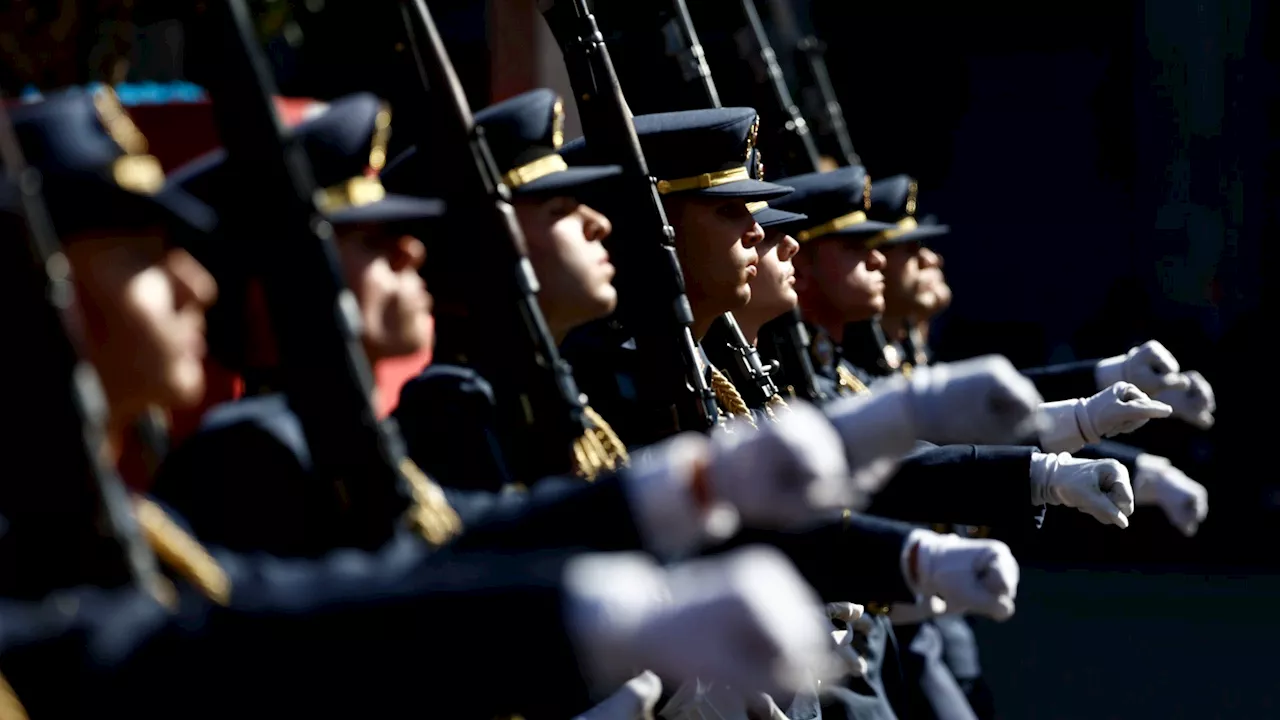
448 415
147 651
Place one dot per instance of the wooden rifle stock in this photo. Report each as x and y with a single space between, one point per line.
652 301
67 519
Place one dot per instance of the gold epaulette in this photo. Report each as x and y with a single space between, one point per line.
599 450
431 514
180 552
849 381
729 398
10 706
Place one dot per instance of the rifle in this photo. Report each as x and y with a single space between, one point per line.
69 522
815 81
767 90
725 343
281 235
549 415
677 393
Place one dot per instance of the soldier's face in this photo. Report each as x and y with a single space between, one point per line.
934 294
143 305
773 287
381 268
843 275
716 243
566 248
912 277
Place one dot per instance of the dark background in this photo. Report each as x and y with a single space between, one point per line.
1109 172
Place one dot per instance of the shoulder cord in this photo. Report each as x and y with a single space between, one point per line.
729 397
599 450
850 382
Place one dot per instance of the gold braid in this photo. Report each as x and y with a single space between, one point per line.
599 449
431 514
181 553
729 397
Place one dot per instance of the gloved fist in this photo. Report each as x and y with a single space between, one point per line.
917 612
1100 488
1121 408
745 618
1184 501
983 400
853 617
634 701
1149 366
1195 404
786 472
978 576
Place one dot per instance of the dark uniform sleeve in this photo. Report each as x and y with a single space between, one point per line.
390 634
448 418
1065 381
1108 449
986 485
556 512
243 481
847 557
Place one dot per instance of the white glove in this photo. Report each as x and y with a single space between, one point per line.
1149 366
671 512
1184 501
983 400
634 701
917 612
854 617
979 576
787 472
1121 408
1195 404
1100 488
745 618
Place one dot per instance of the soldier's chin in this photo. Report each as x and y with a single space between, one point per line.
186 384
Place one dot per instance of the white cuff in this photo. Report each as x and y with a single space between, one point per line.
1042 467
1109 371
659 487
1146 467
918 539
1063 431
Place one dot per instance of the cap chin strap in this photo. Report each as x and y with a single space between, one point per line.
904 226
703 181
856 217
